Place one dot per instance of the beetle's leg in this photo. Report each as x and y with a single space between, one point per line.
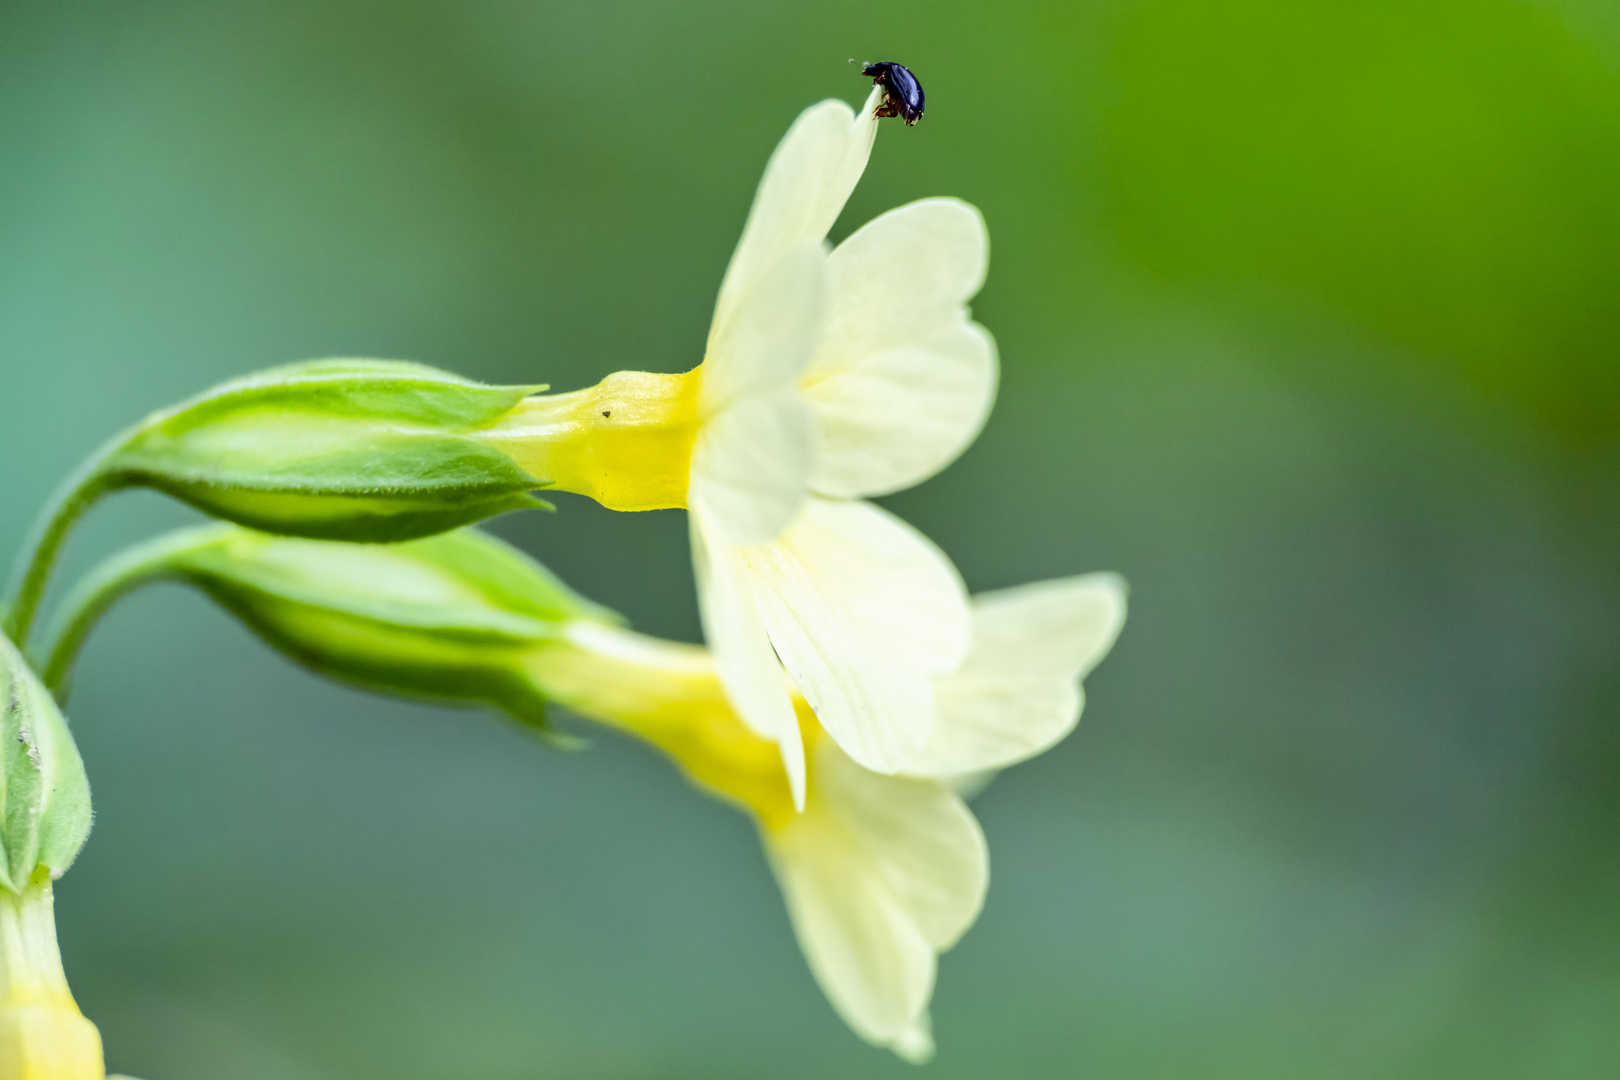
885 108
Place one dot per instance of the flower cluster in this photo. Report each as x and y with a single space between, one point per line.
850 690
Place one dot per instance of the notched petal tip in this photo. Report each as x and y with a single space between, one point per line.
1018 693
902 381
903 414
1080 616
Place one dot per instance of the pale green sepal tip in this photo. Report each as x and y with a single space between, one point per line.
44 793
565 742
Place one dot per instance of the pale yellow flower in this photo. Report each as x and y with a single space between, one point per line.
43 1036
829 377
881 873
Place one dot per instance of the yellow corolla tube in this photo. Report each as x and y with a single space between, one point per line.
625 442
670 695
43 1036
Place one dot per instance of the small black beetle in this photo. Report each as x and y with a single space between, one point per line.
902 93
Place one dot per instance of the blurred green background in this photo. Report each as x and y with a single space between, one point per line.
1308 311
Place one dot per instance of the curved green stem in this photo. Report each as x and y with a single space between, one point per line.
99 590
77 494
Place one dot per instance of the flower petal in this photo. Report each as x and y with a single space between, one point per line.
806 183
748 668
902 381
863 610
899 276
750 465
1018 692
880 874
915 1045
752 457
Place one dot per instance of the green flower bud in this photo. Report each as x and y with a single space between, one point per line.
44 795
365 450
449 617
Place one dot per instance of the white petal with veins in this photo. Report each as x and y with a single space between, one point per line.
806 183
742 653
1018 692
752 458
863 610
902 380
880 873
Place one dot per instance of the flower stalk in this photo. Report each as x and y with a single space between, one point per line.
103 587
77 495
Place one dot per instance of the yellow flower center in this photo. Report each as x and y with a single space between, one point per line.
625 442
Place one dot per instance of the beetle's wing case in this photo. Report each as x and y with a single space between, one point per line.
908 90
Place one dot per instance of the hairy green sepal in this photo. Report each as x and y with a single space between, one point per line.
449 617
365 450
44 794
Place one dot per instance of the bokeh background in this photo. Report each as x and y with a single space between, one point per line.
1308 311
